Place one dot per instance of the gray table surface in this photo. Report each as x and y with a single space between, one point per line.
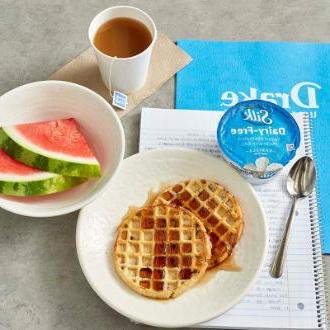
41 284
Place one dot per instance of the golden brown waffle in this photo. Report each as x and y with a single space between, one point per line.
161 251
215 207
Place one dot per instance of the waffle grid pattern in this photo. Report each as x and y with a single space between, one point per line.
161 250
215 207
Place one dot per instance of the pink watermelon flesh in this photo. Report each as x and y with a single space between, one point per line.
56 146
9 165
62 136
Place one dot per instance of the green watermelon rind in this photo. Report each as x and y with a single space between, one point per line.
67 168
50 185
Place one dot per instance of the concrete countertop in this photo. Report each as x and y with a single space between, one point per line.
41 284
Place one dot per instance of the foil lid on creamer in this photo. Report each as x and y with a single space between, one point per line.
258 138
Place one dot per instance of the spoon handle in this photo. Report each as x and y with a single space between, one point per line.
278 263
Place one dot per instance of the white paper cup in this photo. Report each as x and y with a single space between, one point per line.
127 74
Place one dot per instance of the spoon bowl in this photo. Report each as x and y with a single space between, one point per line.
301 179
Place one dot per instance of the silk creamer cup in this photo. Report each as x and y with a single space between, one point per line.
123 74
258 138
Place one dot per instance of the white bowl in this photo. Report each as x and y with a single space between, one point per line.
48 100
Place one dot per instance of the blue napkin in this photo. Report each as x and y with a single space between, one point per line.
296 76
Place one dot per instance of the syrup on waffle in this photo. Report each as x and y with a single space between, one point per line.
161 251
216 207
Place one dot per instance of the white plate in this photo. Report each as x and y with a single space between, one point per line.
139 174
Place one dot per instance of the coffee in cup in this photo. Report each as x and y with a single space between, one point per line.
122 37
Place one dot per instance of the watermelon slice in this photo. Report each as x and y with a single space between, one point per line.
54 146
17 179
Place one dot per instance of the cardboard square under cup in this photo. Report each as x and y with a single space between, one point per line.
166 60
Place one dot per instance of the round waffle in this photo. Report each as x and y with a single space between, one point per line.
161 251
215 207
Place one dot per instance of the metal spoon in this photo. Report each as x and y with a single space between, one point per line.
300 184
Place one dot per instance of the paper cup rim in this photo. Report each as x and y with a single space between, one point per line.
123 58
